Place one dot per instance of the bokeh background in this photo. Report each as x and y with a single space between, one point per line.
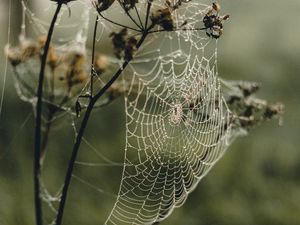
256 182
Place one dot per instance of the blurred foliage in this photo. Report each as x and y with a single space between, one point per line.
256 182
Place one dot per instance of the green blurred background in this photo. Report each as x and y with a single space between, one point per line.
256 182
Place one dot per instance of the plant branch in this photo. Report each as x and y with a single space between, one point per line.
93 56
82 128
118 24
38 121
138 15
133 20
148 12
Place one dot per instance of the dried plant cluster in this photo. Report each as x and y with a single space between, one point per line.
249 111
73 76
213 22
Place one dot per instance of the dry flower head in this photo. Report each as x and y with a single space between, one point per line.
100 64
102 5
128 4
164 18
119 42
213 22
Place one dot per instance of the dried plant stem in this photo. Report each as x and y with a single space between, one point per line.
50 117
93 56
82 128
116 23
139 17
132 19
38 122
149 5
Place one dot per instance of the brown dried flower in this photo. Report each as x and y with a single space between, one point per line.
21 54
62 1
130 48
75 70
52 58
163 17
123 46
213 22
119 42
102 5
128 4
100 64
13 56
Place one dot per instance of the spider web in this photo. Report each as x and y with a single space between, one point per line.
177 122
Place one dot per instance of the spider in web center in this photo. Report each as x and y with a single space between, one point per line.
176 114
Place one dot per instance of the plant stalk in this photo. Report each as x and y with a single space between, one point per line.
93 57
38 122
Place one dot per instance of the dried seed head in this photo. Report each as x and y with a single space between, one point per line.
213 22
130 48
168 3
62 1
13 56
30 50
274 110
163 17
226 17
124 47
128 4
119 42
102 5
100 64
75 70
248 88
52 58
216 6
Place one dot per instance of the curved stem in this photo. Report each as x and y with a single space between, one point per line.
38 122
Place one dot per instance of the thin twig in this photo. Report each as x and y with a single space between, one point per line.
38 121
148 12
133 20
93 56
138 15
116 23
